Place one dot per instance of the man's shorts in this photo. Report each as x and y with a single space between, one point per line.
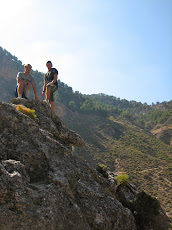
53 88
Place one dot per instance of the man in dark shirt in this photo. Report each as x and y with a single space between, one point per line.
50 84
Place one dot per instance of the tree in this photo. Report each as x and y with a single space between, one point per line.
72 105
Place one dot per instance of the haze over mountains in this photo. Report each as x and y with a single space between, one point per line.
127 136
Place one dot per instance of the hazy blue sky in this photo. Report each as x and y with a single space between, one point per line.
117 47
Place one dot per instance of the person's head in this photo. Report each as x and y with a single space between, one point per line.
49 65
27 68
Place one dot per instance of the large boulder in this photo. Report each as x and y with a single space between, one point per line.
42 185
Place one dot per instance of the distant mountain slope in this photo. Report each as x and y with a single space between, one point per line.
9 67
127 136
124 147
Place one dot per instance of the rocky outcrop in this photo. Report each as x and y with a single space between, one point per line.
146 210
42 185
49 122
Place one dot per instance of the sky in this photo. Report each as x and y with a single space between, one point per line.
121 48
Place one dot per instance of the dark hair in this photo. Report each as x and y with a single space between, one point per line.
28 65
49 62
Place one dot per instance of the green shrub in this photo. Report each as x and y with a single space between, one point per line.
72 105
101 168
122 179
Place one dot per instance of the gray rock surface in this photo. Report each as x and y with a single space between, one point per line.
47 120
42 185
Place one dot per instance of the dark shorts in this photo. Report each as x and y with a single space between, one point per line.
53 88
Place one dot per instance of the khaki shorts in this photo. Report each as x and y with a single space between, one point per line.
53 88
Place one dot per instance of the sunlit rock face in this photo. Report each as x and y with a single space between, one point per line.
42 185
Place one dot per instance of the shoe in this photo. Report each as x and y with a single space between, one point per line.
45 101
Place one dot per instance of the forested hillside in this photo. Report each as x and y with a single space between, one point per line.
125 148
127 136
143 115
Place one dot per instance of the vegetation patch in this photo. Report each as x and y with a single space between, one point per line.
122 179
101 168
27 111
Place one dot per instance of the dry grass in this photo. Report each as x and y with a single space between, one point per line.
26 111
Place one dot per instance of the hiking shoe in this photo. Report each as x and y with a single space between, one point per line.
45 101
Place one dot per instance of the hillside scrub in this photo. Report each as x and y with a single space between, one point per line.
101 168
122 179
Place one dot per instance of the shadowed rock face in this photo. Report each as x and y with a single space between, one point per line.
146 209
42 185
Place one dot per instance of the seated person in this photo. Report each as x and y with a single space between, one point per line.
24 82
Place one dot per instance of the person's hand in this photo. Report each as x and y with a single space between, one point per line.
43 93
50 83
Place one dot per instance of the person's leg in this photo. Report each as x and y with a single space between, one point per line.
48 91
20 89
52 105
26 90
51 98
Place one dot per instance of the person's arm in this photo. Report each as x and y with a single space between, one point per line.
44 88
35 92
18 80
55 78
